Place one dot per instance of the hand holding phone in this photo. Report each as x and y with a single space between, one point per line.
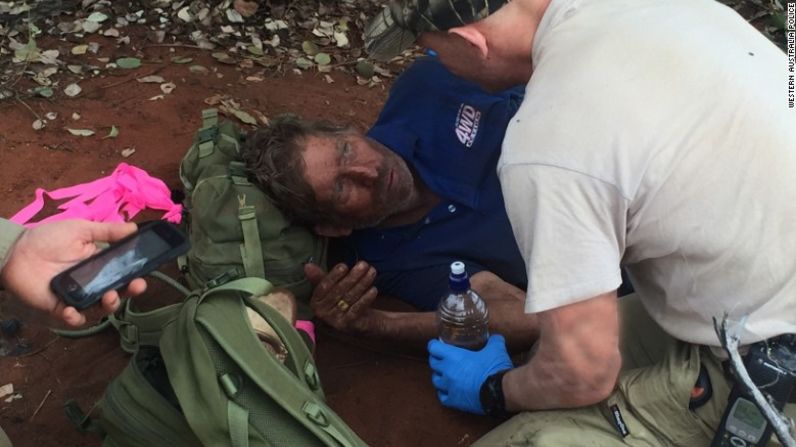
42 252
134 256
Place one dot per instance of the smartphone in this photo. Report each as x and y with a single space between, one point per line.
154 244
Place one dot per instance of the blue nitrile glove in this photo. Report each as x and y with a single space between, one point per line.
458 373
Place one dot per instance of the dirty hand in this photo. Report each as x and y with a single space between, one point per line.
458 373
342 297
42 252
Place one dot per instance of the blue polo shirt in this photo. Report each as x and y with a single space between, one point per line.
450 132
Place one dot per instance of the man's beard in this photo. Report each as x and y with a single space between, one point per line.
387 210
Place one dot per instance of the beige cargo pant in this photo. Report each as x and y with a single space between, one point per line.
651 396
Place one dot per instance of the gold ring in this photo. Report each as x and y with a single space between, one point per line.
342 304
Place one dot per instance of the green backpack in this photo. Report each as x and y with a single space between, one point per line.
234 228
201 376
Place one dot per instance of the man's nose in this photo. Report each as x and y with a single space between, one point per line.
367 175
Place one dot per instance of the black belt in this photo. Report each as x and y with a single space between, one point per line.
782 343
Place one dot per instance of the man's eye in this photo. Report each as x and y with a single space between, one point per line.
346 148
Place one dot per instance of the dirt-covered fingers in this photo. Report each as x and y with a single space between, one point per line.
326 295
358 282
363 303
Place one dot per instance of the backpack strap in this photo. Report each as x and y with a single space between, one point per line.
216 309
144 328
251 250
310 399
249 286
207 134
138 329
299 360
135 328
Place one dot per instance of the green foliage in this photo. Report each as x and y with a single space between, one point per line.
768 16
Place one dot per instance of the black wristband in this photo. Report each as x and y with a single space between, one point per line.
491 395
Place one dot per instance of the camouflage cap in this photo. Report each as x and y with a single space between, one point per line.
398 25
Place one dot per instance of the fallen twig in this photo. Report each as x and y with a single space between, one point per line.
729 341
40 350
175 45
28 107
132 78
46 396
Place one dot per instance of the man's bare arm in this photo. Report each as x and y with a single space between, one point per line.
577 360
504 300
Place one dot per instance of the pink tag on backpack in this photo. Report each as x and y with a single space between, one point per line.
116 198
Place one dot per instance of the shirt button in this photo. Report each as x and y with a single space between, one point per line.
452 208
427 221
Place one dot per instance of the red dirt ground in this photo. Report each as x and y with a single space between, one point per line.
384 393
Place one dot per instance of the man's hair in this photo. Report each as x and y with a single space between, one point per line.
273 159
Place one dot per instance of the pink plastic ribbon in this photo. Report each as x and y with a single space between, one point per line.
306 326
116 198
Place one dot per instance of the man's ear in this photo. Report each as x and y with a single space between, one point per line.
472 35
331 230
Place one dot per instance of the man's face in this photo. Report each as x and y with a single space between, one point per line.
362 181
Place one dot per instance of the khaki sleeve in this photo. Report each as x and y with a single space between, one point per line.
9 233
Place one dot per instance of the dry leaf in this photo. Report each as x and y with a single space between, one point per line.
261 117
113 133
39 125
185 15
310 48
181 59
6 389
97 17
44 92
90 27
322 59
153 79
80 132
126 153
304 63
341 39
128 62
244 117
72 90
214 100
224 58
244 8
234 16
168 87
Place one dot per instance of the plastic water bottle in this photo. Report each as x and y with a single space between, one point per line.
462 316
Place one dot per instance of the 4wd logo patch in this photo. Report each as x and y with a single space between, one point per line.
467 124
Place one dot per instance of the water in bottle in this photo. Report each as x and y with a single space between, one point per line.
462 316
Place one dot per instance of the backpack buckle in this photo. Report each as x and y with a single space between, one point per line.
128 336
222 279
207 134
314 412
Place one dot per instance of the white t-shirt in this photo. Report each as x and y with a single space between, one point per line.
656 134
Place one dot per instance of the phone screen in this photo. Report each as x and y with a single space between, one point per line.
122 260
